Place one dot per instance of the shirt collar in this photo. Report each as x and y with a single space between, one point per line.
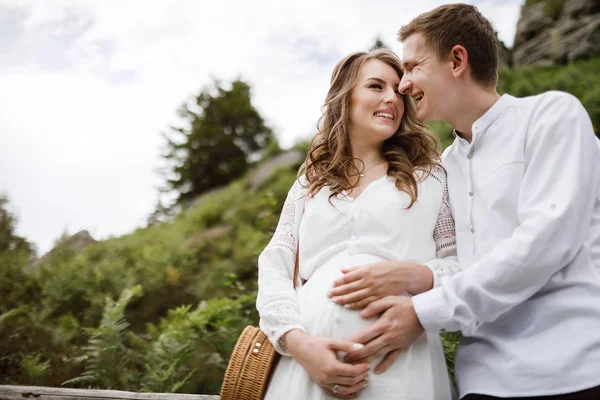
491 115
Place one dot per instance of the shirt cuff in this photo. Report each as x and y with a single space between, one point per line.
432 267
433 311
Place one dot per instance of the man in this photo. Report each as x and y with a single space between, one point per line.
524 185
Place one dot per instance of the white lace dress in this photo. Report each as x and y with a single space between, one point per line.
374 227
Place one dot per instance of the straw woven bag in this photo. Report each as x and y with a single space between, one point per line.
251 363
250 366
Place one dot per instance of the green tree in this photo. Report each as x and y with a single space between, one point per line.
225 133
379 44
9 241
591 101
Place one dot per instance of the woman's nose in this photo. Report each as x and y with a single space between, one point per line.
391 96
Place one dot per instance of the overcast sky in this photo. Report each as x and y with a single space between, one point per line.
87 86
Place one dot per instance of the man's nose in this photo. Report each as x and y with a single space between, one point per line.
405 85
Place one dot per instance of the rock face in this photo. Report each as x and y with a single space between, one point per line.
547 36
264 172
76 243
80 241
504 55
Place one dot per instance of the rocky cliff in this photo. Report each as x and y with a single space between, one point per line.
556 32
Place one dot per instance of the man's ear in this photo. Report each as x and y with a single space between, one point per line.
460 60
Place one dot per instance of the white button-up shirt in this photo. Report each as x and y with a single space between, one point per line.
525 195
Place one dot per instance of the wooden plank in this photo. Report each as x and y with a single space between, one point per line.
50 393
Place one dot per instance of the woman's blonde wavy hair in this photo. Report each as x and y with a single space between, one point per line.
329 160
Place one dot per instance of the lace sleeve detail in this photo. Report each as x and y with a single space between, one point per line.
278 316
446 263
286 233
276 300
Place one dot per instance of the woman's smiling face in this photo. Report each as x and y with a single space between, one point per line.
376 107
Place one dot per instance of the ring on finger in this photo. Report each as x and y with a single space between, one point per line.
335 388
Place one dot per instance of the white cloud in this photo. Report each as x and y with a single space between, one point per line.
91 84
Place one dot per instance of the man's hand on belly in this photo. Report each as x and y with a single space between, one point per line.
396 329
361 285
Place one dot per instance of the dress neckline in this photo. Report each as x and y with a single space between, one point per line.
352 198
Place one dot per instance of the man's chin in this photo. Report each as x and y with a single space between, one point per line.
425 115
422 115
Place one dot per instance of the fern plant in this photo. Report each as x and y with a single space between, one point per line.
34 367
166 363
110 362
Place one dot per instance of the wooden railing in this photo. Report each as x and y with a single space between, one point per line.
51 393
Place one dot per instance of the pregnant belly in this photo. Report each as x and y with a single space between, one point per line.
320 315
419 373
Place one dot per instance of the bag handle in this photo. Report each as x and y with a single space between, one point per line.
297 263
296 266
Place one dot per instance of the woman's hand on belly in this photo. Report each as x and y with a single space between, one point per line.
318 356
361 285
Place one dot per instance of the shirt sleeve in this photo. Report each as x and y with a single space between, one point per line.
276 301
446 262
555 205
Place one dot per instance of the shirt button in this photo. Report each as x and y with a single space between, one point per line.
470 155
472 230
471 193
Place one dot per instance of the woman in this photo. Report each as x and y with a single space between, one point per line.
370 194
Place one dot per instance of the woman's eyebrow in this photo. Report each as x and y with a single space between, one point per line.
373 78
